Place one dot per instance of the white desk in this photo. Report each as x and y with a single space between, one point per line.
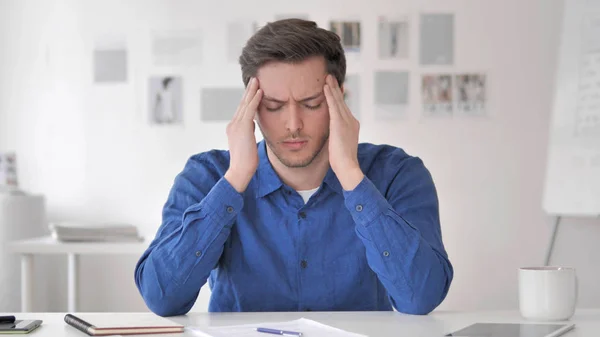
374 324
47 245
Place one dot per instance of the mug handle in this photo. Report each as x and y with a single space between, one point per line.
576 290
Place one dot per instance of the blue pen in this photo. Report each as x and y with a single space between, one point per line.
279 332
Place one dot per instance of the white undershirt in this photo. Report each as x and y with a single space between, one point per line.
307 194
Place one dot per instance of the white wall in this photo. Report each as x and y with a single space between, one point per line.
91 151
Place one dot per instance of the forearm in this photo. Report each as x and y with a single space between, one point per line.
415 275
415 271
188 247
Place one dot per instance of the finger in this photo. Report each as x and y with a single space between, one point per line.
247 89
252 107
344 109
252 87
251 94
240 108
239 114
339 104
337 92
331 103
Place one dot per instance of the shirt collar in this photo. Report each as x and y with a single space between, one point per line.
268 180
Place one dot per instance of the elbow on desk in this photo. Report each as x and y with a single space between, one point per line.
159 303
426 299
156 298
419 305
165 309
417 308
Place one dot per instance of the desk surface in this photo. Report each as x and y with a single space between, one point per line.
48 245
380 324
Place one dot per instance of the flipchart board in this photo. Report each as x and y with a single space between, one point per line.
572 181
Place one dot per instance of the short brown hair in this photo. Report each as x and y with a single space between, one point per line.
292 40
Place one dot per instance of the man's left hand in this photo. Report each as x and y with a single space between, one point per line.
343 137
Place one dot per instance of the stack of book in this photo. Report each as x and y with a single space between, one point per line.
94 232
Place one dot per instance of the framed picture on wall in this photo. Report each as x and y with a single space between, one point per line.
437 94
165 100
470 94
8 170
393 38
349 33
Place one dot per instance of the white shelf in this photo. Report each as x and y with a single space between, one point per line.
48 245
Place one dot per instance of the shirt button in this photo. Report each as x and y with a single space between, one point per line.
302 215
303 263
198 253
229 209
359 208
386 253
288 192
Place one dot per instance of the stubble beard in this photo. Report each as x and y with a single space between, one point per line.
297 164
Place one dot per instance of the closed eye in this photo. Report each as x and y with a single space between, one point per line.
308 106
273 109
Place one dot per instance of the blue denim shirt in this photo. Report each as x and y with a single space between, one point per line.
377 247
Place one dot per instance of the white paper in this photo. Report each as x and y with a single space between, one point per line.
588 100
309 328
572 184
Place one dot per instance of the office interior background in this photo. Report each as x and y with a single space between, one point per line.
90 148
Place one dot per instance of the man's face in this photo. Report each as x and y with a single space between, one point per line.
293 115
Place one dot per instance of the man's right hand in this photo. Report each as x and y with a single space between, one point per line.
242 142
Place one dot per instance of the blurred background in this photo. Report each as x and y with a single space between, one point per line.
80 82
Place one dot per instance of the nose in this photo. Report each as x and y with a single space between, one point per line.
294 120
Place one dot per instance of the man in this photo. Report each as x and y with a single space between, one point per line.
307 219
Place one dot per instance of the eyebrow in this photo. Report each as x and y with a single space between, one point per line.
304 100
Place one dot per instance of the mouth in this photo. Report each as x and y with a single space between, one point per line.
295 144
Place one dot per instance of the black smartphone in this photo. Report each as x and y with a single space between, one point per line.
20 326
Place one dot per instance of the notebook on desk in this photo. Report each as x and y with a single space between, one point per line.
106 325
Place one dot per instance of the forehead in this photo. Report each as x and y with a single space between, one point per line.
283 80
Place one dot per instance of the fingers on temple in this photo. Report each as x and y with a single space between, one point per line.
252 106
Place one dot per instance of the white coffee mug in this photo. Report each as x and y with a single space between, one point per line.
547 293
